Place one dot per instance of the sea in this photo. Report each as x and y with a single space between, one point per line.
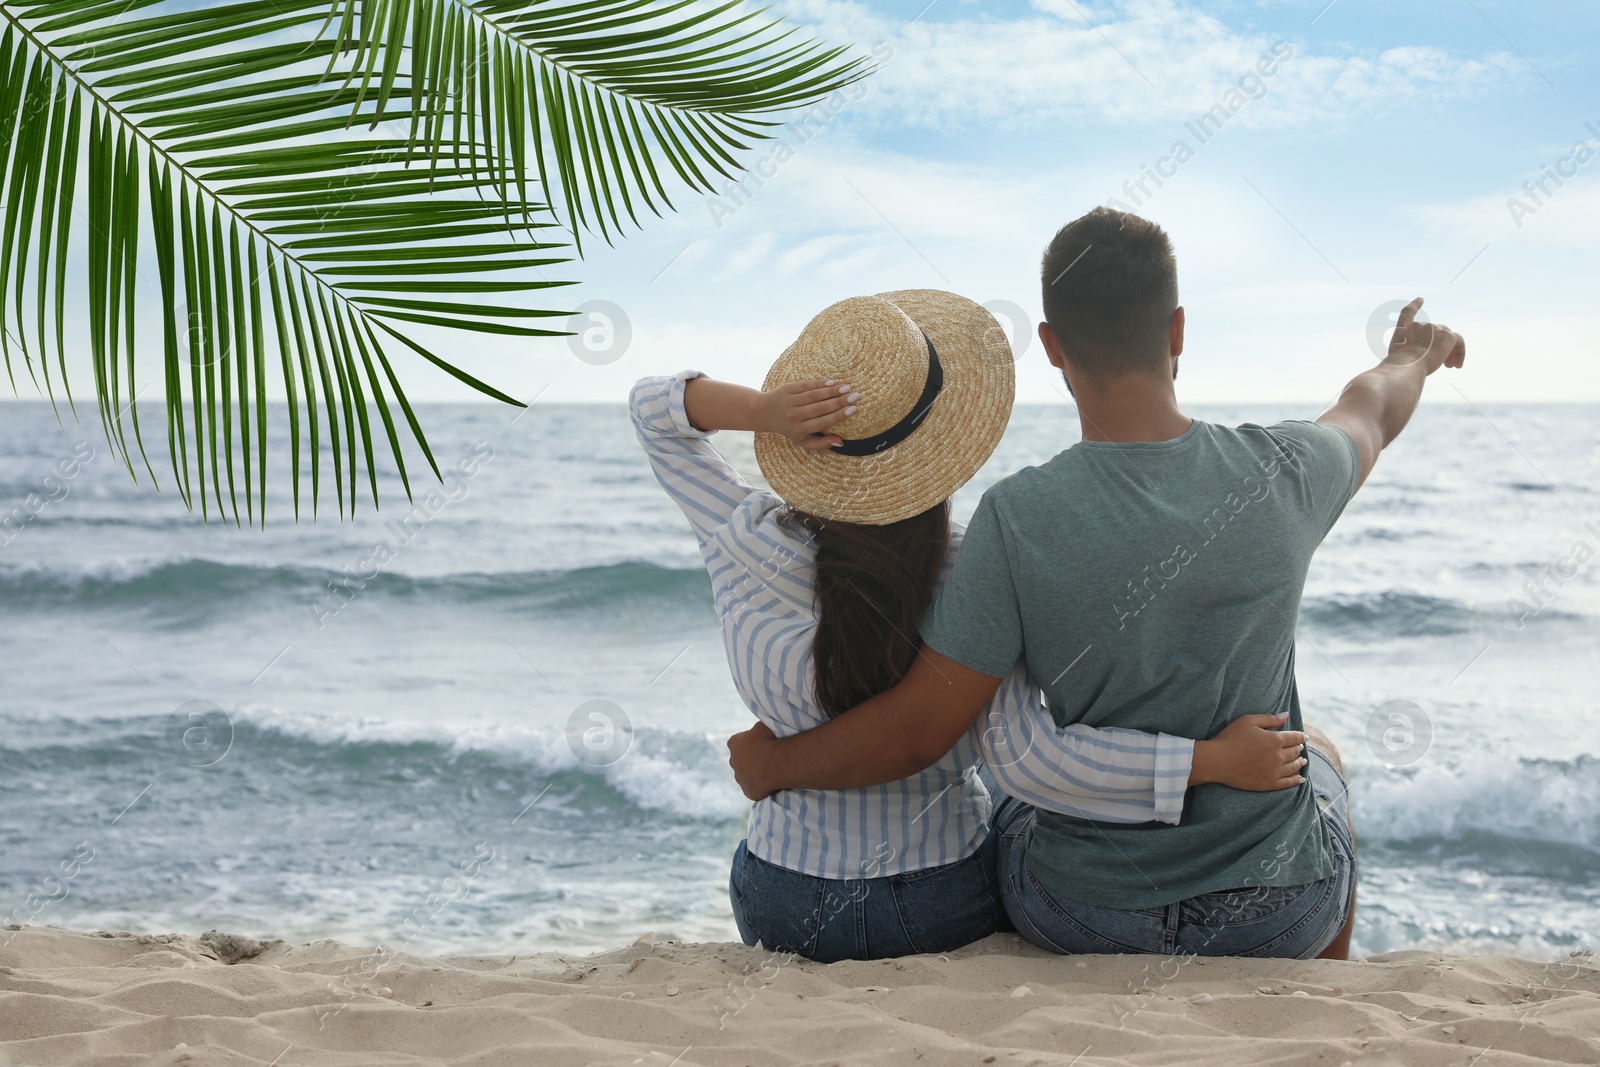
493 721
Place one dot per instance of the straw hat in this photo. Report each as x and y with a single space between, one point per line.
936 378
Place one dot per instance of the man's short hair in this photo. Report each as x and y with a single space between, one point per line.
1110 288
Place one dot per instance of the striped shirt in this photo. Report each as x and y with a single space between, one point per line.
762 571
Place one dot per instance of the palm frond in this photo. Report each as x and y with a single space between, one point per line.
200 189
317 181
601 98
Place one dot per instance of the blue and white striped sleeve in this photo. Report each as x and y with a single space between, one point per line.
703 484
1108 774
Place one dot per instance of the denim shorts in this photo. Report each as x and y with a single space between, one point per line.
827 919
1290 922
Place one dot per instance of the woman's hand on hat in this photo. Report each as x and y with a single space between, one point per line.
804 411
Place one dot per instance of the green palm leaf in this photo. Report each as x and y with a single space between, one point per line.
314 182
612 93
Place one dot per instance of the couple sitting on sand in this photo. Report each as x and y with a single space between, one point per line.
1112 646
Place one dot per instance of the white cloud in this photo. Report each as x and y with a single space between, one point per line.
1139 61
752 254
808 252
1551 216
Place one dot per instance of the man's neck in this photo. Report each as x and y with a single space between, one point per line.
1132 408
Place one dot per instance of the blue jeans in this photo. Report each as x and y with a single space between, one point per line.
827 919
1290 922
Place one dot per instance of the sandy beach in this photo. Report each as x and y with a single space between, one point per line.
71 997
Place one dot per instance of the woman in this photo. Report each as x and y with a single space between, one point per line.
866 425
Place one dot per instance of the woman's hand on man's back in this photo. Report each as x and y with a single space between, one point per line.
1251 753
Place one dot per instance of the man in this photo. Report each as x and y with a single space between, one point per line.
1152 569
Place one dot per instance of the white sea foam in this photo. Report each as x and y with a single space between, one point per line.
664 770
1521 799
695 792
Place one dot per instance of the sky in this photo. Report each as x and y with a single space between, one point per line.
1358 153
1374 164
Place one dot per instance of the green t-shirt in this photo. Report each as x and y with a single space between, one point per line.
1155 585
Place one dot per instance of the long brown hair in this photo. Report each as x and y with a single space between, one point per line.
873 584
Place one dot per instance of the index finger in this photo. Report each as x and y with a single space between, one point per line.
1408 314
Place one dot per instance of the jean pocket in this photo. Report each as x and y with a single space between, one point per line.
943 908
783 908
1017 911
1236 907
1085 928
1309 919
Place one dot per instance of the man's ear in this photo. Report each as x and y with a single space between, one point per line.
1056 354
1052 347
1175 332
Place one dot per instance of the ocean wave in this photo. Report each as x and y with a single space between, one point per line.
194 582
1389 534
1555 802
666 771
663 770
1390 612
1393 613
